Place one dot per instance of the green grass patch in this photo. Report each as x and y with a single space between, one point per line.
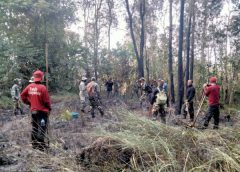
6 102
63 96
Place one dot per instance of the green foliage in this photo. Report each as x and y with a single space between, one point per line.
6 102
24 34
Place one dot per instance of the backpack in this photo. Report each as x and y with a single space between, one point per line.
91 89
161 98
148 89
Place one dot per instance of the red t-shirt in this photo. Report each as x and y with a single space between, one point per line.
37 97
213 94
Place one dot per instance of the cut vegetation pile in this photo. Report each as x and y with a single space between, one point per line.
137 144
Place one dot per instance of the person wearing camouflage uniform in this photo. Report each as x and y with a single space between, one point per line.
159 108
15 93
93 91
83 94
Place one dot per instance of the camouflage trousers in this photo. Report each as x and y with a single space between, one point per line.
159 109
83 105
17 107
95 104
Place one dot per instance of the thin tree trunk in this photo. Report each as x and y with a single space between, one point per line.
203 45
188 46
170 62
86 16
110 6
180 63
192 42
139 60
46 50
96 36
147 64
142 41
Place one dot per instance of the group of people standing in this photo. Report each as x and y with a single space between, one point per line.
156 94
36 96
90 92
210 90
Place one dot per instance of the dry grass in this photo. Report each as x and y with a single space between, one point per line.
157 147
127 142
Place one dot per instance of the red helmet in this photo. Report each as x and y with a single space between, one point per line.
213 79
38 76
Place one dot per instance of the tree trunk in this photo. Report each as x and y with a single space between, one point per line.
180 64
192 42
142 41
98 5
170 63
86 16
203 45
110 6
188 46
147 64
139 60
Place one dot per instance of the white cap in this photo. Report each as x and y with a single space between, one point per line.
84 78
31 80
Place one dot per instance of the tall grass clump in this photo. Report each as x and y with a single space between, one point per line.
158 147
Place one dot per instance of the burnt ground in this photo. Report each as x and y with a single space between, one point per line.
67 138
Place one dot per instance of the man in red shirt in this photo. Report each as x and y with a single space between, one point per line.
212 91
36 95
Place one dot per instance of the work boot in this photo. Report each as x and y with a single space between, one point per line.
215 127
21 111
102 113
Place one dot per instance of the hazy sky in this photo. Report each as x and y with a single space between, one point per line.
118 34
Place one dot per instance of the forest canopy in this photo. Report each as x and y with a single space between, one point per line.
82 38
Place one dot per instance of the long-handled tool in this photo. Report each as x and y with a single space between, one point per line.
198 111
48 132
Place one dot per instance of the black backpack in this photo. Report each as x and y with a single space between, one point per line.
148 89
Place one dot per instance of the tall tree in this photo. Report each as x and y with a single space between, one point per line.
192 42
110 4
97 8
188 42
204 30
180 62
139 54
170 55
142 36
